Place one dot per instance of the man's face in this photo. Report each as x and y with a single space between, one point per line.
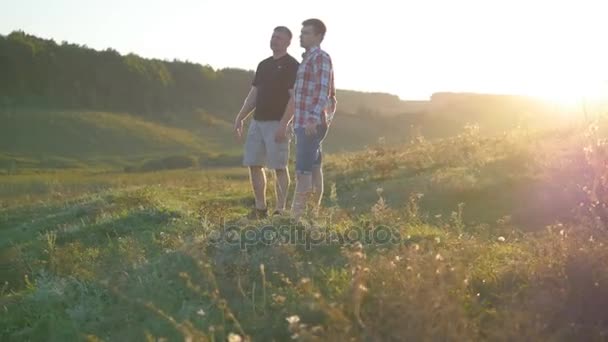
308 38
279 42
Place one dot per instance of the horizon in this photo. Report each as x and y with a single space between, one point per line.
168 60
481 53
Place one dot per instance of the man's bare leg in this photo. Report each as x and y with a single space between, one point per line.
301 195
257 177
317 189
281 187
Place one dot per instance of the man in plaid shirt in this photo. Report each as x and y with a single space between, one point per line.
315 105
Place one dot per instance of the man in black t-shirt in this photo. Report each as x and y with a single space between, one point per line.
267 144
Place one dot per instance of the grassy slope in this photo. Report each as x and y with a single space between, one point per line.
124 257
58 139
87 137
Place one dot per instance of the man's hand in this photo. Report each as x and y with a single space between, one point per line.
238 130
281 134
332 106
310 128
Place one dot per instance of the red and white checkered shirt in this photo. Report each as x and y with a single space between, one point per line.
314 89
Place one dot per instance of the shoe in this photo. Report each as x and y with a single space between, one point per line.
257 214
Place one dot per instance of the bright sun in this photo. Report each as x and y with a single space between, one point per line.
573 94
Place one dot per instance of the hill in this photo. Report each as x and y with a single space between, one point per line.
464 238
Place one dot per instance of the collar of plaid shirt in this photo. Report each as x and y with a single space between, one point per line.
310 51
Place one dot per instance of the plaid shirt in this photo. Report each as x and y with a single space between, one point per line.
314 89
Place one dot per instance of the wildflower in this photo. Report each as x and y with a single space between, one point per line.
293 319
279 299
201 312
501 239
439 257
232 337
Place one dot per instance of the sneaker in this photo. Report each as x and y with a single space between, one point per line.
257 214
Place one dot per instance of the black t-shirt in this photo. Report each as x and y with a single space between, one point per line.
274 79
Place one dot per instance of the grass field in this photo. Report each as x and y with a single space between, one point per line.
467 238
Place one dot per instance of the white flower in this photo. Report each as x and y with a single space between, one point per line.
293 319
359 255
232 337
279 299
439 257
502 239
201 312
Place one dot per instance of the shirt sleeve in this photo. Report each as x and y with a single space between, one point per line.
322 70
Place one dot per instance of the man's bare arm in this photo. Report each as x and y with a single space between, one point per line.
281 134
248 105
289 110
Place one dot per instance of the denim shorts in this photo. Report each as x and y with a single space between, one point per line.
309 148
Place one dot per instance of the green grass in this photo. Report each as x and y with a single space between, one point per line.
103 255
43 139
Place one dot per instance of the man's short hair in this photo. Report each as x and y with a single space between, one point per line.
283 29
317 26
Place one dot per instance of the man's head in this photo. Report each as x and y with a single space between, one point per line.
313 32
281 38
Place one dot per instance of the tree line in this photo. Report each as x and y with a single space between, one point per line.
40 72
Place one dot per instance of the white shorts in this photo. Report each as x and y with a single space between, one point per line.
262 150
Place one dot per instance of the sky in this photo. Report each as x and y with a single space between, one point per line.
410 48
